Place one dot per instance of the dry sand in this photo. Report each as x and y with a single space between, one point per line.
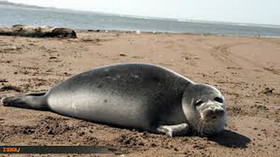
246 70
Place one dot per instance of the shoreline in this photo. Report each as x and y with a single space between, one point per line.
174 33
46 30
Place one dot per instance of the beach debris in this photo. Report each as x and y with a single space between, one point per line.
268 90
3 80
63 33
96 40
122 54
10 87
52 57
39 32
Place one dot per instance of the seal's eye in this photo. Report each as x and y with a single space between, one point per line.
198 103
220 100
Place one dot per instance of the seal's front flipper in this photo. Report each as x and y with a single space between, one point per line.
35 101
171 130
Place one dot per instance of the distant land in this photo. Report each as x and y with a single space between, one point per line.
19 5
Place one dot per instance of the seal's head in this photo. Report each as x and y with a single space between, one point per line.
204 108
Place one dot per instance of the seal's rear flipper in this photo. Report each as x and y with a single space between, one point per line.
35 101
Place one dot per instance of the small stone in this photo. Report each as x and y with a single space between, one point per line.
122 55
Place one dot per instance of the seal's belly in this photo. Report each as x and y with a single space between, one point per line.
100 107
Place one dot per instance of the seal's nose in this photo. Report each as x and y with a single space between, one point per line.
219 112
214 113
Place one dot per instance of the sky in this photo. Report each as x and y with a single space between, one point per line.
240 11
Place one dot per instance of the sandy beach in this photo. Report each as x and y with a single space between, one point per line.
246 70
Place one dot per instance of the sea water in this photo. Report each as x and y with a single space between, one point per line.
36 16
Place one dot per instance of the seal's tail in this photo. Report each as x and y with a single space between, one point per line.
35 101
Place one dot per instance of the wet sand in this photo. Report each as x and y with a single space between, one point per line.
246 70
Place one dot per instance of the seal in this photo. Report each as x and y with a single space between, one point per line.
133 95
